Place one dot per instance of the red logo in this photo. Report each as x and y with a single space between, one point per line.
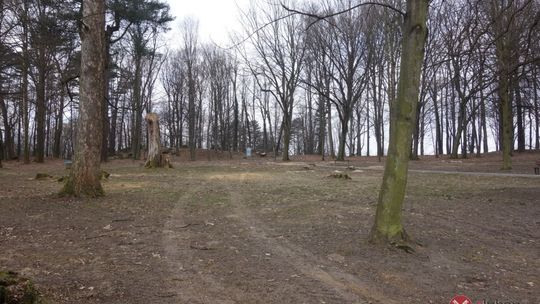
461 299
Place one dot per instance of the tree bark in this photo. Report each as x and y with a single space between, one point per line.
136 129
155 159
388 226
40 108
520 114
84 179
9 142
330 136
24 89
536 111
505 104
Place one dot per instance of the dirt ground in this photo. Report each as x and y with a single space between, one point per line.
258 231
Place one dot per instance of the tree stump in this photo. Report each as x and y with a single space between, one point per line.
155 159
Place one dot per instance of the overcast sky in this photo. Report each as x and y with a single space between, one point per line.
216 18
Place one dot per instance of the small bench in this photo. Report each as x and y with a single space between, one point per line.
537 168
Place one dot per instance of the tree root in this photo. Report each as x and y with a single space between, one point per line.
400 241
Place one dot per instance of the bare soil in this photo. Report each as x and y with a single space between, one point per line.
259 231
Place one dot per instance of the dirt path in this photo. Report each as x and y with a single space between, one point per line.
350 288
188 283
491 174
470 173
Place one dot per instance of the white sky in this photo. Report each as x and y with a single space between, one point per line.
216 18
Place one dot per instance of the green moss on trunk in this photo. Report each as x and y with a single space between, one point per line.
388 227
81 190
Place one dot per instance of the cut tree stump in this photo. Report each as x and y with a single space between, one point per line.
155 158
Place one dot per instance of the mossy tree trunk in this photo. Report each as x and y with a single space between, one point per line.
154 145
388 227
84 179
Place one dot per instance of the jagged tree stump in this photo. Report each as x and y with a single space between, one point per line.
155 158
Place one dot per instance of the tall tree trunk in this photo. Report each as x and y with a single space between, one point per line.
84 179
136 131
9 143
105 111
343 137
112 128
520 114
484 121
192 119
59 127
24 89
322 125
368 127
507 125
388 225
536 111
40 108
235 106
461 126
330 133
1 149
287 122
438 131
358 132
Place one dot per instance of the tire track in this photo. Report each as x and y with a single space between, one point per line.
187 282
349 287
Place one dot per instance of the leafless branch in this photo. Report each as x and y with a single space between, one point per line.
327 16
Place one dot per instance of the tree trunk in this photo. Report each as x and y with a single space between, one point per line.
388 226
9 142
235 119
287 122
40 107
505 104
1 149
536 111
484 122
84 179
343 137
192 119
59 127
520 123
438 131
136 128
322 126
112 128
330 137
24 89
155 158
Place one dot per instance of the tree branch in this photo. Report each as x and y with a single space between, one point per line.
324 17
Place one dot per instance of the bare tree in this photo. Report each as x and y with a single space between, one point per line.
190 33
280 48
343 43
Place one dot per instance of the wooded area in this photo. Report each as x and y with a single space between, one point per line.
432 85
291 83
